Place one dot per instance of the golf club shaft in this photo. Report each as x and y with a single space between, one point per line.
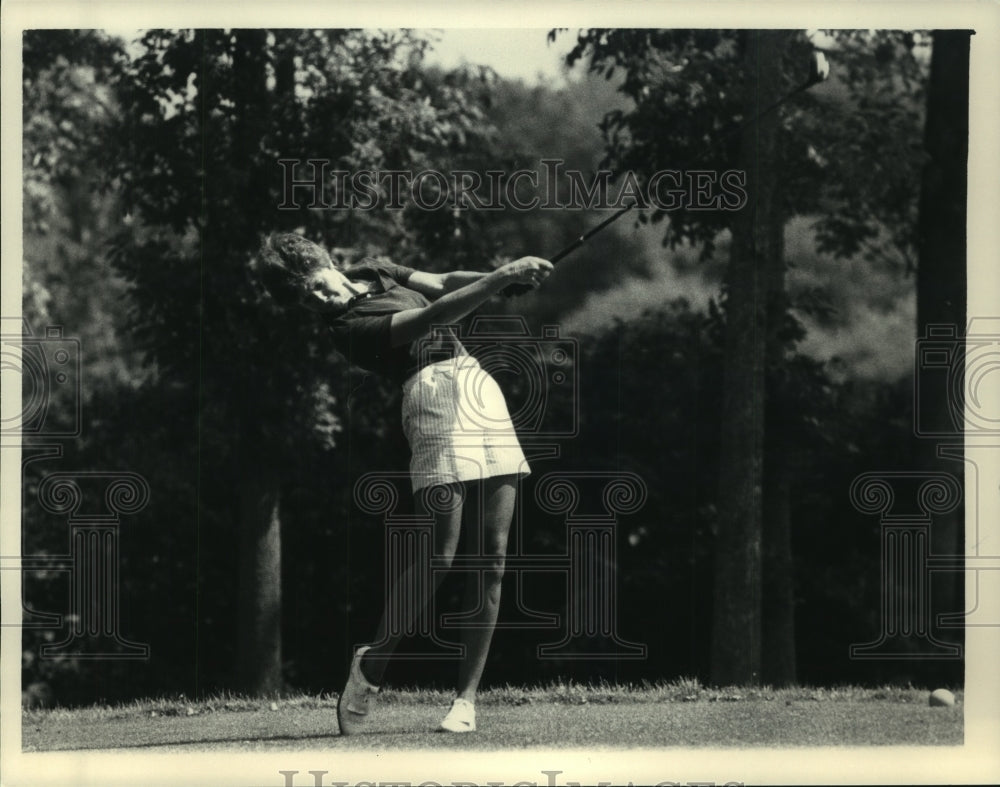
591 233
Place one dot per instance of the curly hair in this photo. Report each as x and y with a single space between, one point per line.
285 263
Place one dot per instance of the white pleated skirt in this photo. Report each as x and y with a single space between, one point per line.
456 421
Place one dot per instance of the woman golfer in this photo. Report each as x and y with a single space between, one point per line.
386 318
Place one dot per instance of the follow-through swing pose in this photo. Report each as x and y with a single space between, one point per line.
382 316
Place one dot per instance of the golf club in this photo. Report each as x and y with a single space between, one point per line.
819 70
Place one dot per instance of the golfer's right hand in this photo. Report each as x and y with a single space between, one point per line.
531 271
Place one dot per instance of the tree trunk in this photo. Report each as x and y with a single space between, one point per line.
941 275
259 605
260 523
736 617
778 587
778 606
941 278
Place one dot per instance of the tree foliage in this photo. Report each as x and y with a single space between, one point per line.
710 99
867 147
207 116
168 159
849 152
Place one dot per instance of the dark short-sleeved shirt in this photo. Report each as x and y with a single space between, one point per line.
361 334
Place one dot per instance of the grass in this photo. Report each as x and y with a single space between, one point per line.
679 713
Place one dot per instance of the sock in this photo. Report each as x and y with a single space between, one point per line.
365 672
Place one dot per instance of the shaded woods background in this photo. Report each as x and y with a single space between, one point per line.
151 174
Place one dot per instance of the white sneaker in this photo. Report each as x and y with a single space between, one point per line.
357 699
461 717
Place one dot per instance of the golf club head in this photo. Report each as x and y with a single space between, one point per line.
819 68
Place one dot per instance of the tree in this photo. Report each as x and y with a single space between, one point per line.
865 151
687 87
68 109
941 269
756 256
847 161
941 280
207 115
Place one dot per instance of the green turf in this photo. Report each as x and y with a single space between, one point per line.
678 714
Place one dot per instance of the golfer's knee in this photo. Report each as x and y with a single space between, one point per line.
493 571
444 555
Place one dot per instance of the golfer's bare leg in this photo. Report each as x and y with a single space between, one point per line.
498 509
447 509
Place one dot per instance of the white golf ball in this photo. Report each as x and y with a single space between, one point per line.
942 698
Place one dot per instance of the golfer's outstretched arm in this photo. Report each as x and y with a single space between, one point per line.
411 324
434 285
